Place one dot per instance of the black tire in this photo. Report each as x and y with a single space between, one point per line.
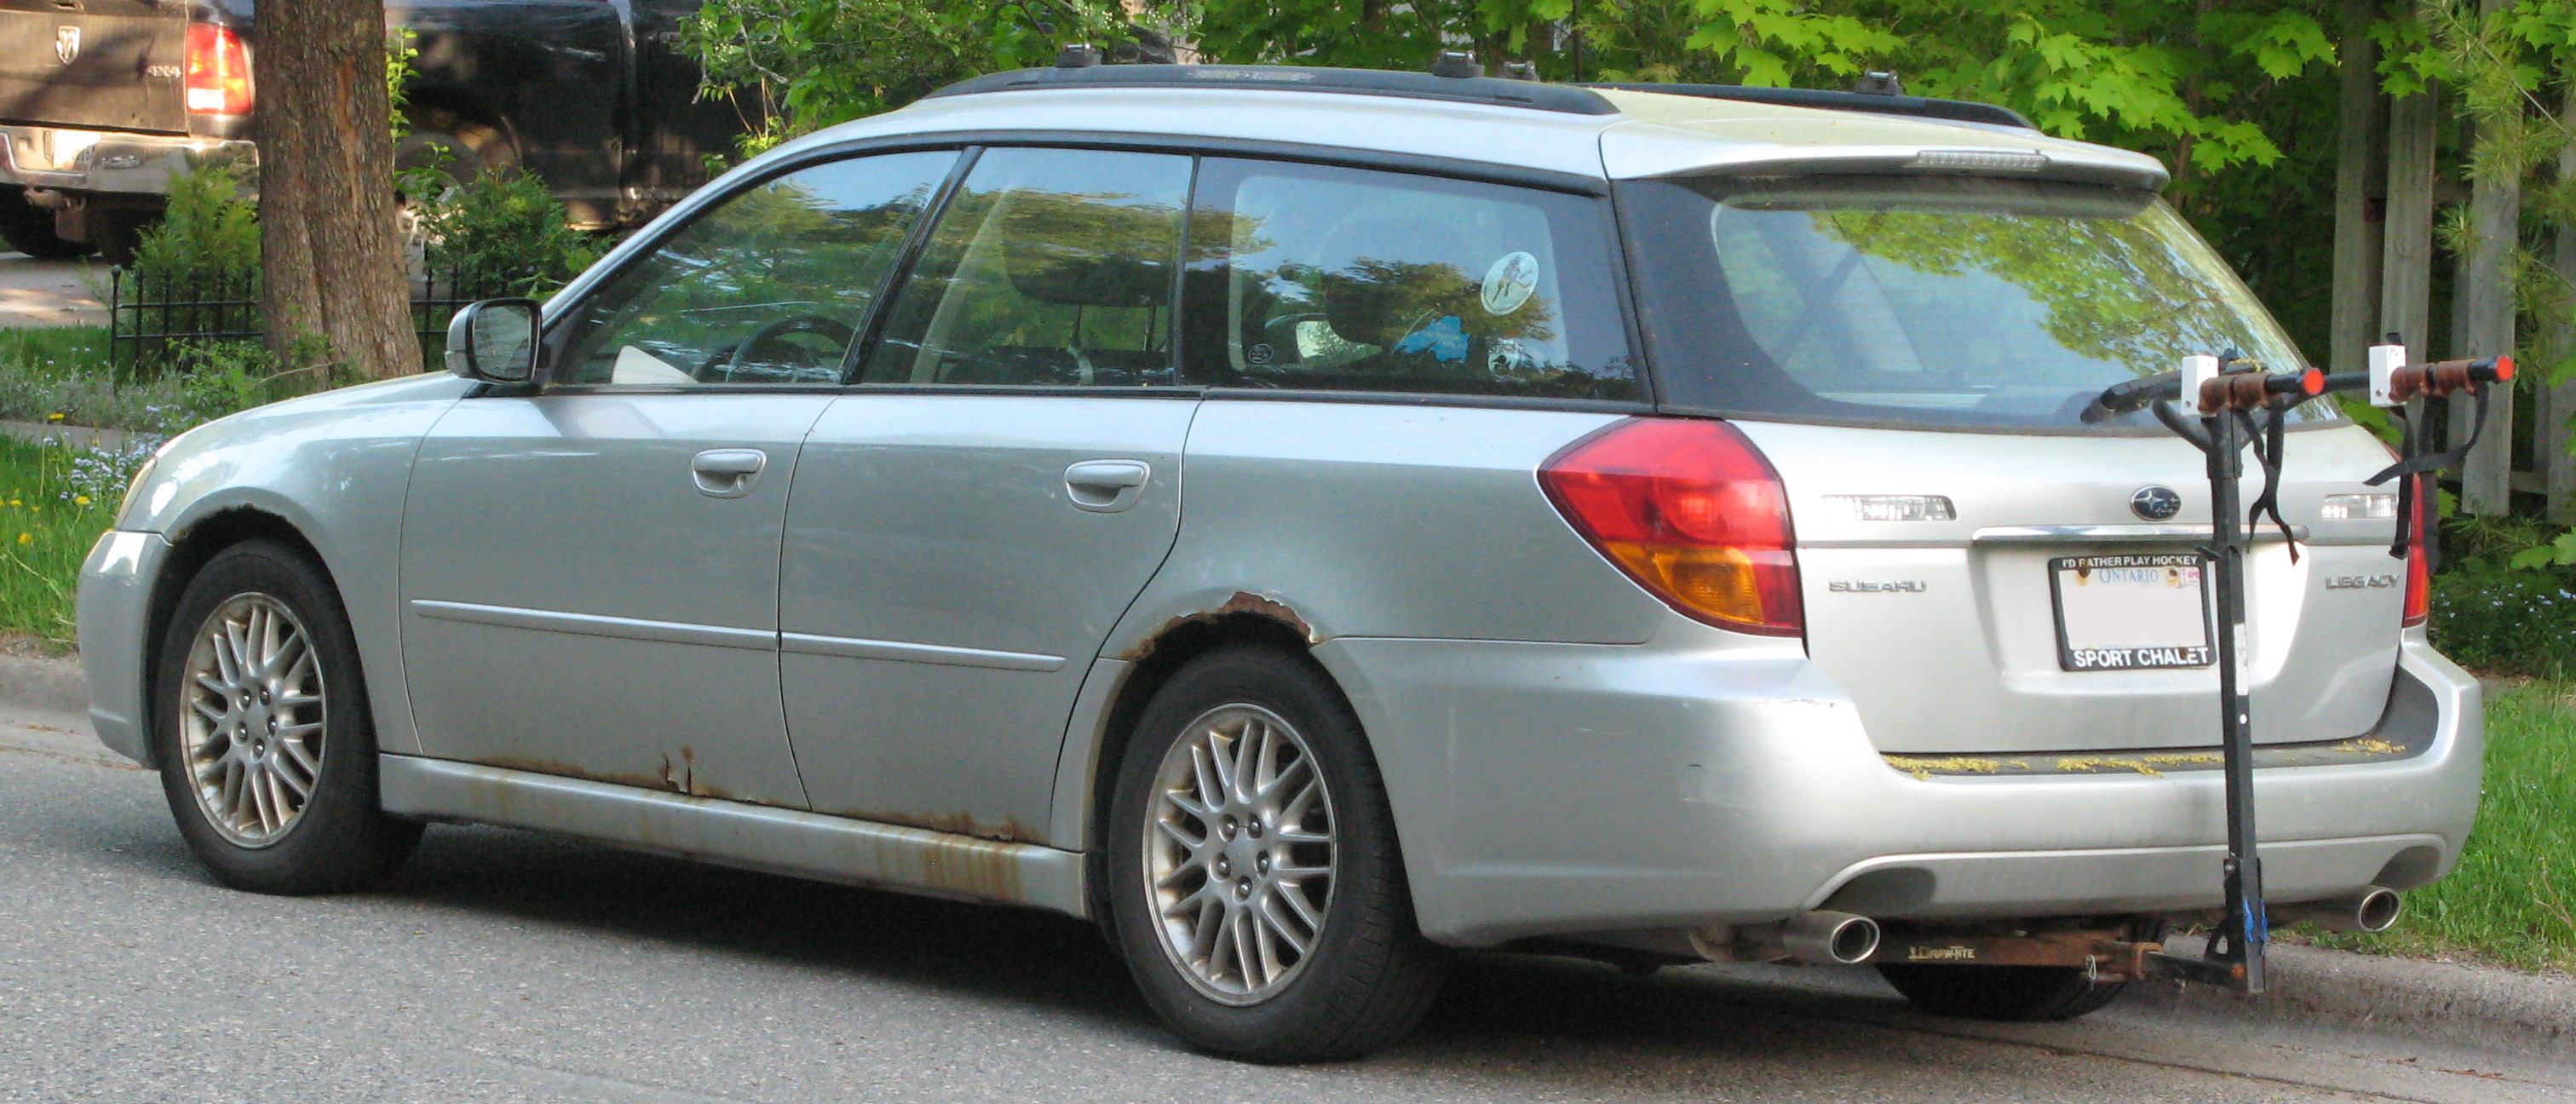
1368 976
29 229
339 838
118 234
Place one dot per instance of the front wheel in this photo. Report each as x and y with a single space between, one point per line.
1256 888
266 750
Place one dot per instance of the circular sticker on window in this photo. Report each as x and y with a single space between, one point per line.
1510 283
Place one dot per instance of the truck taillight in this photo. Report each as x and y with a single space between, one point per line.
218 71
2419 567
1691 510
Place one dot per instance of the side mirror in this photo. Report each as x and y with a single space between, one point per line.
495 340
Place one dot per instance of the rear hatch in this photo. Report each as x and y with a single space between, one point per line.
92 64
1981 571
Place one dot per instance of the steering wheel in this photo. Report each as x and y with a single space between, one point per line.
743 351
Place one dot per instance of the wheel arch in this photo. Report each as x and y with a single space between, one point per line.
1245 621
190 549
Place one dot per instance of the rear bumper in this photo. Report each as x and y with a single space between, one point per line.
115 610
1546 789
72 159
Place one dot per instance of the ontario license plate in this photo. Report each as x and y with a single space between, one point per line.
2125 613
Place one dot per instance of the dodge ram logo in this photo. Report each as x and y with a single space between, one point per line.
67 44
2155 503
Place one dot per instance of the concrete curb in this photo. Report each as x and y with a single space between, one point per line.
2476 1007
54 685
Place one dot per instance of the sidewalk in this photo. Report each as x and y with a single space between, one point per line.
49 293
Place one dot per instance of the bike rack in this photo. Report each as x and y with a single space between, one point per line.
2214 403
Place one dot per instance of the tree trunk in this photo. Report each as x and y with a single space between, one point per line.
2487 305
332 261
2361 116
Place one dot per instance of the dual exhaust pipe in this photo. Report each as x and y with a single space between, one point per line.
1822 938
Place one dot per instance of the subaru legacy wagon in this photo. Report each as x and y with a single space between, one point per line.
1314 521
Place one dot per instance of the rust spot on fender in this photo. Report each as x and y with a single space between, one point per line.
1244 601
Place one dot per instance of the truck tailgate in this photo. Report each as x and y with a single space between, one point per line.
102 64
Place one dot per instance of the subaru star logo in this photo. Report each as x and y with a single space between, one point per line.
67 44
2155 503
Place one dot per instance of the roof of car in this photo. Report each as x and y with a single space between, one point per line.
1600 132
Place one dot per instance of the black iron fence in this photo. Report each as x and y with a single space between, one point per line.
150 317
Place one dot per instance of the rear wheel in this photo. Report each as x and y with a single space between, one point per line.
1255 884
266 749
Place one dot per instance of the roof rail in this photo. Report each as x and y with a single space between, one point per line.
1566 98
1957 111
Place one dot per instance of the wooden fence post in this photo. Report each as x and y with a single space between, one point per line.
2406 269
2487 305
2357 249
2550 436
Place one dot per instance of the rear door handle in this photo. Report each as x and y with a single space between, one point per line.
727 472
1106 486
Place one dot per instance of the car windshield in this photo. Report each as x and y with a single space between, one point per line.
1931 302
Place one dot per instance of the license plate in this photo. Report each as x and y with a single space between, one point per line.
2125 613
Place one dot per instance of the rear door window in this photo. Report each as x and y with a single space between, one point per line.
1312 277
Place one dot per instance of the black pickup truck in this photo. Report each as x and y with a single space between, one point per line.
102 100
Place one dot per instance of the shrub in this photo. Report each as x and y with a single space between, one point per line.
505 234
2507 622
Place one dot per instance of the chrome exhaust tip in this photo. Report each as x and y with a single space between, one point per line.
2368 910
1829 938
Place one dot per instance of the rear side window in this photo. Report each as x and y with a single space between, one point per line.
1318 278
1050 267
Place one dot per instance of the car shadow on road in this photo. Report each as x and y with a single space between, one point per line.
1498 1016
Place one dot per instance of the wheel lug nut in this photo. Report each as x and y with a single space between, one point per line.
1262 865
1224 868
1243 888
1228 828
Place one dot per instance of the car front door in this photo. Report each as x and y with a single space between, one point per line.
972 519
590 572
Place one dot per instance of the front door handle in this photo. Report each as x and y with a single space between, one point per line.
1106 486
727 472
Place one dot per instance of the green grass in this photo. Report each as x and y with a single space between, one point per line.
54 502
2511 901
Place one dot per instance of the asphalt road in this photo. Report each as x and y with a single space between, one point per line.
503 966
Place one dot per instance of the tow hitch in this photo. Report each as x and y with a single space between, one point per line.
2223 406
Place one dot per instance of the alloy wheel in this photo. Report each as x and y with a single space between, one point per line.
252 712
1239 853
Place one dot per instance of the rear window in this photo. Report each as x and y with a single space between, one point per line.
1932 302
1313 277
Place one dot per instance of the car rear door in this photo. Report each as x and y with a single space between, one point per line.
971 520
590 572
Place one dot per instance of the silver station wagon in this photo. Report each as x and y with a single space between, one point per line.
1313 521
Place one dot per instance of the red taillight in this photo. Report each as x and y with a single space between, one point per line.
1692 511
218 71
2419 569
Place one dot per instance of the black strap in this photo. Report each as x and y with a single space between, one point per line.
2267 441
2435 461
